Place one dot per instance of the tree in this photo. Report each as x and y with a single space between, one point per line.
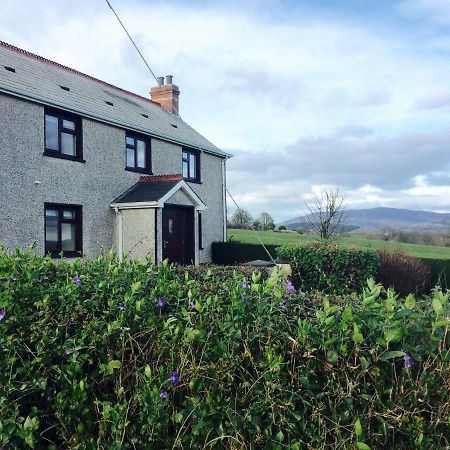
326 214
266 221
241 219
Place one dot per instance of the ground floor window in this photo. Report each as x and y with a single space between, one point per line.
63 229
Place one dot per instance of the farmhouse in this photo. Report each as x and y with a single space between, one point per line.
87 167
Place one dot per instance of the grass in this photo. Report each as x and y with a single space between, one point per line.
281 238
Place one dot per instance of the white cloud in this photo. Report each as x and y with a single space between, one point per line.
277 90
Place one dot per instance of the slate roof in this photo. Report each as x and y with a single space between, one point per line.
146 192
150 188
39 79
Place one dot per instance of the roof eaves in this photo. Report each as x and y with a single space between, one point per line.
100 118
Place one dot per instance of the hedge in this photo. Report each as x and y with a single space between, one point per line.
109 355
330 268
227 253
440 271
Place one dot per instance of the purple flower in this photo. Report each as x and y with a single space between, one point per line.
163 394
76 280
243 298
290 287
245 284
194 417
408 361
2 314
192 305
161 303
175 377
122 307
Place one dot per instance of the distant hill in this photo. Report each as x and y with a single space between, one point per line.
378 218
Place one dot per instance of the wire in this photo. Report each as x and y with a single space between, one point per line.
189 128
251 225
131 39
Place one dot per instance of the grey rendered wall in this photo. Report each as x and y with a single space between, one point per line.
28 180
138 233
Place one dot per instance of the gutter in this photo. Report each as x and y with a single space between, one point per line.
224 197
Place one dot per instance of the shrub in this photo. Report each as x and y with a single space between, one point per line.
227 253
329 267
125 356
402 272
439 271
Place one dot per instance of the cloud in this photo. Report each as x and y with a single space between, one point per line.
372 171
304 96
433 100
436 11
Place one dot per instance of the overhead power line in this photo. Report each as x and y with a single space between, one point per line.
131 39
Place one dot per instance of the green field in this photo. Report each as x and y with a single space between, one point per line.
281 238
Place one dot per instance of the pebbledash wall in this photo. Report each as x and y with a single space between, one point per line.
28 179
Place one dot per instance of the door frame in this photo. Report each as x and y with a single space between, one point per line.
188 253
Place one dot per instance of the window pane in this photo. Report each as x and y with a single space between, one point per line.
130 141
69 124
140 153
192 166
51 230
185 156
185 169
130 157
51 132
170 226
68 144
68 233
69 214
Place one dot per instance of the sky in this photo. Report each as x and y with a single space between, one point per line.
307 95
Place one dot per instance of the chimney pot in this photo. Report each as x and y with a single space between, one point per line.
166 95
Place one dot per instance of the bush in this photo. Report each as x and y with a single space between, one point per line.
114 356
402 272
439 271
228 253
329 267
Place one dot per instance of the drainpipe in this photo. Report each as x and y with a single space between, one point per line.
119 233
224 199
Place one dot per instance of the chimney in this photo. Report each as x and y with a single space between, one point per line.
166 94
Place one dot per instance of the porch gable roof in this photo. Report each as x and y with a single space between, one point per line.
154 191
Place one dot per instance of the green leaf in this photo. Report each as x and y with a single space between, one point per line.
280 436
394 335
114 364
347 314
362 446
437 306
357 336
358 428
390 355
135 287
410 301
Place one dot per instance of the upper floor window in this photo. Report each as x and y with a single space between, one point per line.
191 165
62 135
138 153
63 229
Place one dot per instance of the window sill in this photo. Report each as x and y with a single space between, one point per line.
66 255
143 171
192 180
63 156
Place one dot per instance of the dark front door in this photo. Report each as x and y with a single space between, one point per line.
178 234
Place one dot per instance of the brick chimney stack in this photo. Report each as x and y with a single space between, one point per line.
166 95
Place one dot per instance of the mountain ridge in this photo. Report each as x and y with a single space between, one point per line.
371 219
